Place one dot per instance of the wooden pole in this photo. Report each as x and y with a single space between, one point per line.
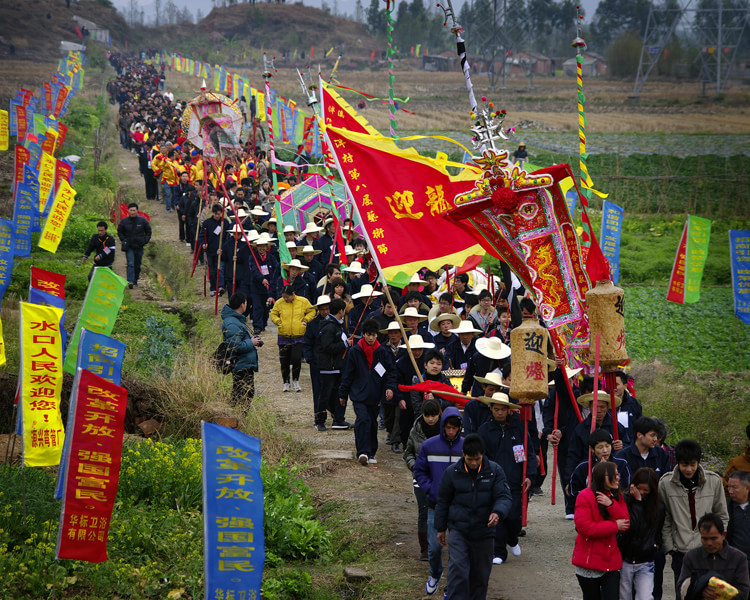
594 401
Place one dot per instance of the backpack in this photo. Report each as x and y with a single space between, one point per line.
223 359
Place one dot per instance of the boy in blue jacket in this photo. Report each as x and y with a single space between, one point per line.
369 376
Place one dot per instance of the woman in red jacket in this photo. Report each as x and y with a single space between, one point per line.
599 515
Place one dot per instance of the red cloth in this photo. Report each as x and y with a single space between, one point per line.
368 350
436 387
596 542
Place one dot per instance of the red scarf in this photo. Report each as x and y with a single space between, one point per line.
368 350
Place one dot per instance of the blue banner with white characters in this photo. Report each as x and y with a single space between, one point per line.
24 212
233 541
31 181
612 216
739 250
571 198
7 251
101 354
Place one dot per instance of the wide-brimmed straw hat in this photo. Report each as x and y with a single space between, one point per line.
349 251
296 263
413 312
292 244
492 348
392 326
310 250
267 223
259 212
491 378
454 319
311 228
498 398
290 229
416 342
237 228
323 299
241 213
569 373
355 267
366 291
601 396
466 326
417 279
264 238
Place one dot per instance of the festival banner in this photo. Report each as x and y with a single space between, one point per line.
2 345
676 288
63 171
41 384
31 184
13 122
4 134
50 143
612 217
62 130
93 470
21 122
739 250
46 178
7 251
99 310
339 113
233 540
22 157
24 212
47 281
41 298
35 153
58 218
696 252
101 354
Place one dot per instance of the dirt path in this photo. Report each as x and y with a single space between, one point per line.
381 495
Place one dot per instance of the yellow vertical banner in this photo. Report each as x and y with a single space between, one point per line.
261 106
41 385
2 345
3 129
58 217
46 178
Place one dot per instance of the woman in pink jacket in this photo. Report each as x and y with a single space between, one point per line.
599 515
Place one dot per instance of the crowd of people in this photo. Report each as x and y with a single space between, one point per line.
633 498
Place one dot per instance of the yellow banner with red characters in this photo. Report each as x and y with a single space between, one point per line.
4 130
41 385
58 217
2 345
47 166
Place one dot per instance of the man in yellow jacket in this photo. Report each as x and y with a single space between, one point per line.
291 315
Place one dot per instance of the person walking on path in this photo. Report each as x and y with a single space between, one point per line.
134 232
291 315
241 345
102 246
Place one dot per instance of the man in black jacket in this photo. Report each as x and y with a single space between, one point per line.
332 349
181 200
311 349
102 246
212 233
134 232
472 499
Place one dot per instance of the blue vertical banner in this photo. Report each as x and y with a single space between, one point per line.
739 251
233 541
571 198
31 183
23 219
101 354
34 149
610 238
7 251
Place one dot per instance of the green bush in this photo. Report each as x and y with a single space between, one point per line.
64 263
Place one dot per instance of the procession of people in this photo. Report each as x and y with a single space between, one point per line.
634 500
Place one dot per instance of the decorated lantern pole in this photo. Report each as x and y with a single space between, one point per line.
389 58
529 382
457 30
268 70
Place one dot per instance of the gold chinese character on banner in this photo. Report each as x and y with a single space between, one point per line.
436 200
401 204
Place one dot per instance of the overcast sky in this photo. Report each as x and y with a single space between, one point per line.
345 6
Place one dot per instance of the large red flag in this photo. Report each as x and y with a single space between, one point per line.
337 112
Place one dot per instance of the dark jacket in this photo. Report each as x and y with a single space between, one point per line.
728 563
405 375
459 358
242 273
264 268
311 341
238 339
579 478
465 501
134 232
332 348
476 413
435 456
633 409
211 232
499 443
657 459
103 249
447 345
738 532
367 384
579 441
417 437
639 543
479 365
355 318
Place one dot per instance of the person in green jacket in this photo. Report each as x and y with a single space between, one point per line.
241 345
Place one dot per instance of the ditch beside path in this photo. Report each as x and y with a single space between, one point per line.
379 496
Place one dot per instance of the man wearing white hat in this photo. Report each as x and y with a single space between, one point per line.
416 323
264 275
235 256
356 276
415 283
294 271
491 354
327 242
258 216
442 336
309 236
405 375
311 261
333 348
213 231
366 305
461 352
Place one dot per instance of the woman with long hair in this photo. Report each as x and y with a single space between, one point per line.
600 514
639 544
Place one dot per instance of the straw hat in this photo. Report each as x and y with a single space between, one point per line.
291 244
323 299
264 238
366 292
258 212
311 228
498 398
241 213
310 250
252 235
355 267
416 342
601 396
466 326
237 228
454 319
392 326
267 223
413 312
417 279
290 229
349 251
569 374
491 378
492 348
296 263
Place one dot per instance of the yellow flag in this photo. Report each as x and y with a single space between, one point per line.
261 114
46 178
2 345
329 52
58 217
41 385
3 129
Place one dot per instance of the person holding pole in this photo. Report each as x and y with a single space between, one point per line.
212 234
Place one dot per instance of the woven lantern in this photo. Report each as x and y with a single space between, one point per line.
528 362
606 309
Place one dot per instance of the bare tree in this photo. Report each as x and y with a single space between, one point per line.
157 12
198 15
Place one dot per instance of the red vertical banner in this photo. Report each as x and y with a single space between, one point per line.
307 139
676 289
64 90
93 473
23 124
22 158
62 131
47 281
48 96
63 171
